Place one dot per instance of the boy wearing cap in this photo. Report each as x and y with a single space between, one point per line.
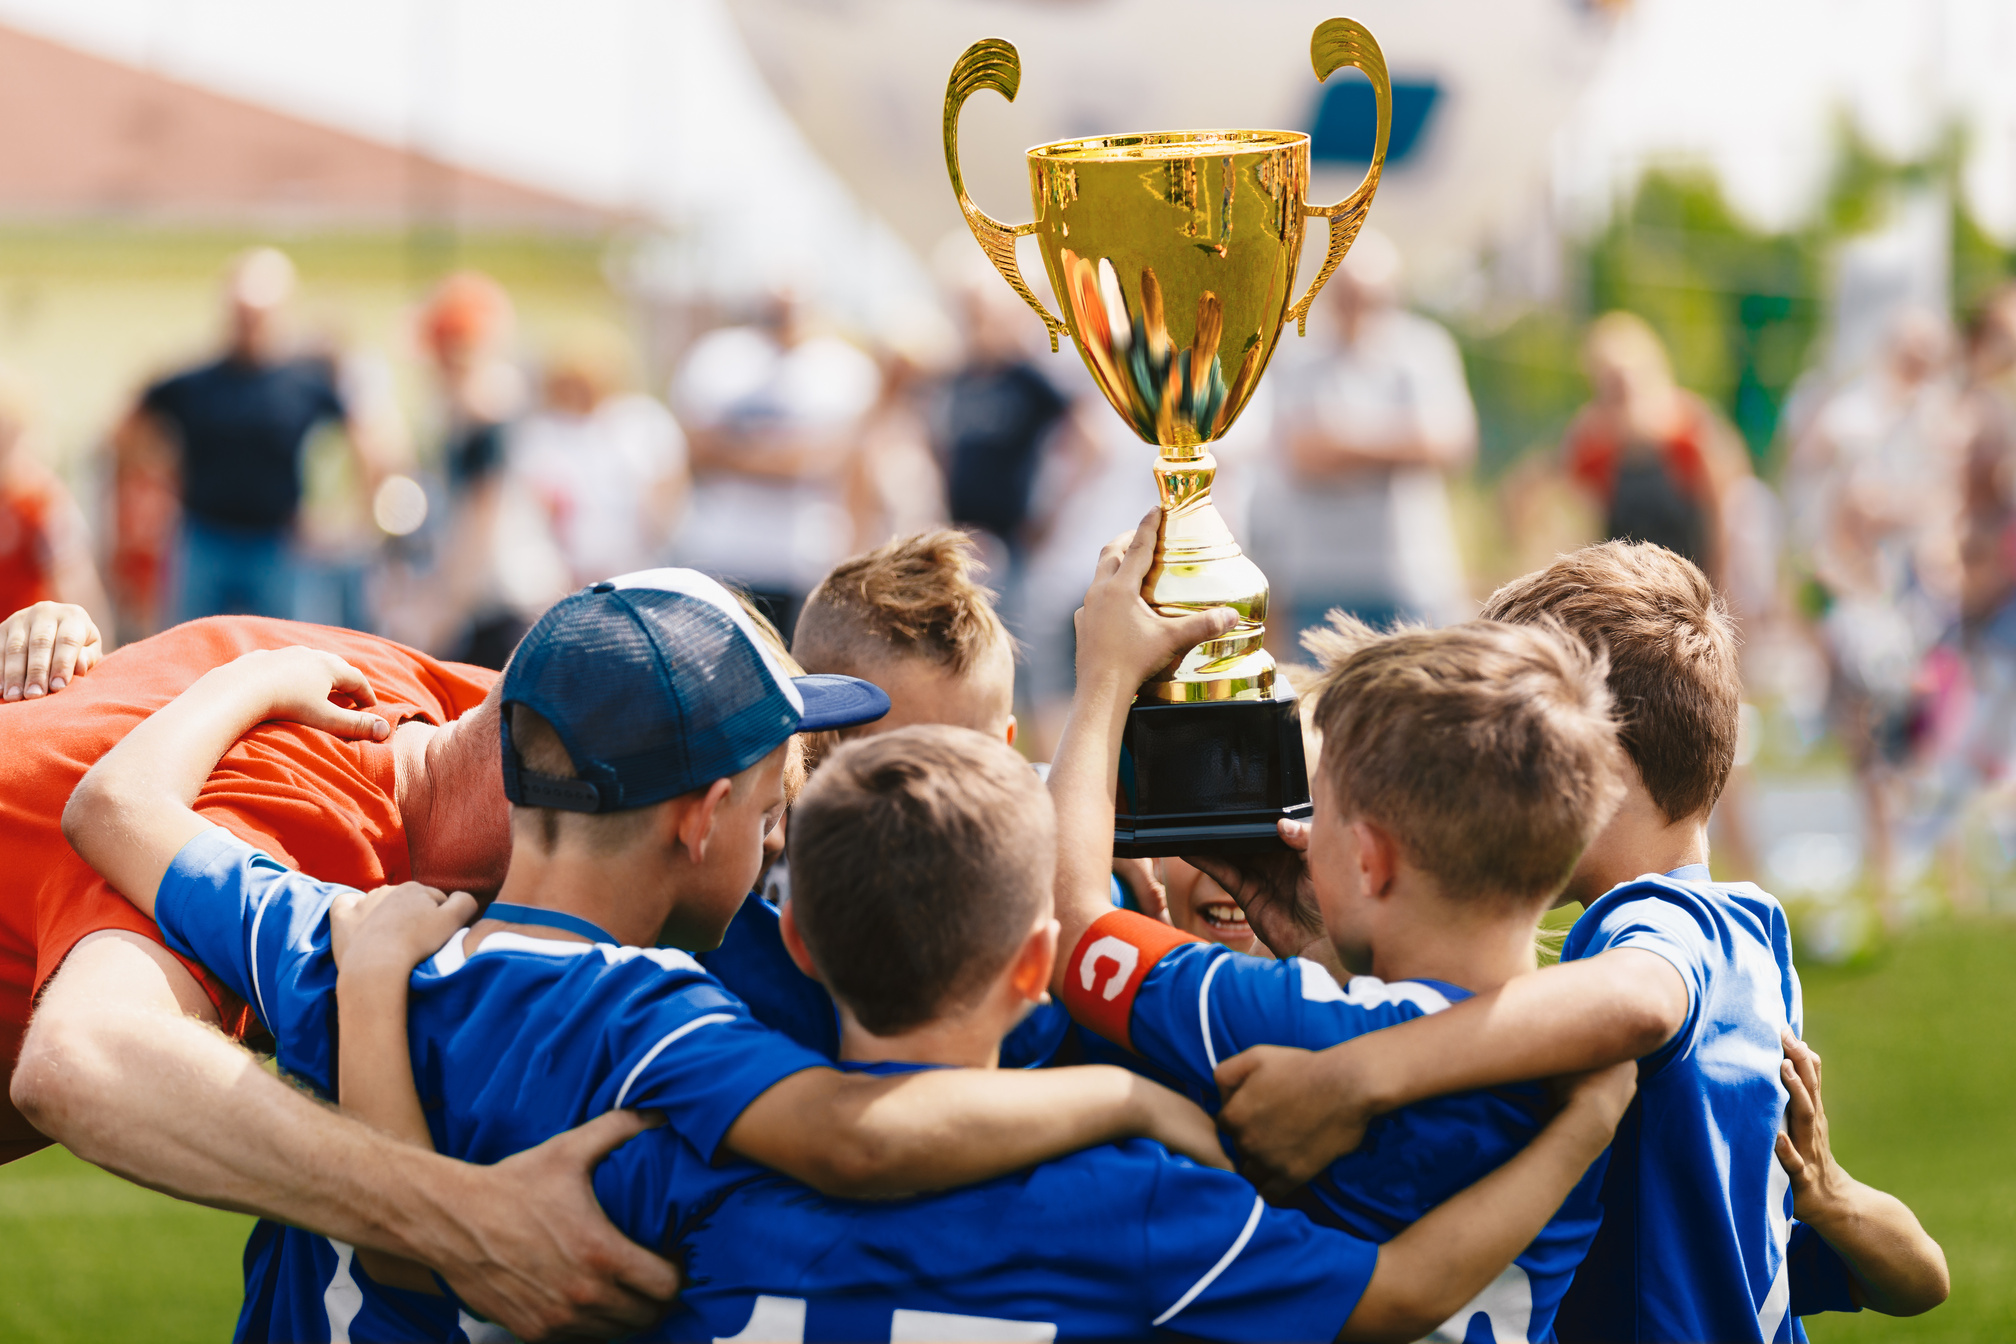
644 745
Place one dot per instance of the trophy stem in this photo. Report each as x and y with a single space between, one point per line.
1198 565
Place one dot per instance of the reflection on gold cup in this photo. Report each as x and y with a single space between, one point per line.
1174 256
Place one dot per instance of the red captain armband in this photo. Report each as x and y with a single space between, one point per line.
1108 966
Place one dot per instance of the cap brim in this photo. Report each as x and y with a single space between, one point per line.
833 701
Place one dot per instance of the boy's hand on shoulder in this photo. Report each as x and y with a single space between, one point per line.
1121 638
391 930
1819 1186
305 686
1291 1113
43 646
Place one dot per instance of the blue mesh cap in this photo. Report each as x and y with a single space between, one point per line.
658 684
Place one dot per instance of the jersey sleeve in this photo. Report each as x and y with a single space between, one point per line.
263 929
755 967
1223 1264
1665 921
1820 1278
1186 1006
695 1053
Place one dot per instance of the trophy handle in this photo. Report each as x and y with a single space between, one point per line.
1336 44
992 63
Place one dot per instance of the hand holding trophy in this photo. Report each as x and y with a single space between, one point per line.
1174 255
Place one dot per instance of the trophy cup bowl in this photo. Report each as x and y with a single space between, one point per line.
1173 255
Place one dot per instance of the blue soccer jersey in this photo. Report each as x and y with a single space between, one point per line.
1119 1242
753 963
1698 1241
512 1044
1186 1005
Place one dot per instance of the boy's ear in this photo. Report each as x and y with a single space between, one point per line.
1029 973
794 943
1378 857
691 817
1011 730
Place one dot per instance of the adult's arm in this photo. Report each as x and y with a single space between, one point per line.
1293 1112
124 1066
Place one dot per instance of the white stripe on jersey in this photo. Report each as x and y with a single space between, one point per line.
1204 1009
1507 1306
705 1021
342 1299
944 1327
451 957
1366 991
252 961
1224 1263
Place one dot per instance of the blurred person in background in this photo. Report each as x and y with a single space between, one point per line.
608 468
236 428
1374 411
895 487
774 415
474 581
1655 459
45 547
1875 487
994 413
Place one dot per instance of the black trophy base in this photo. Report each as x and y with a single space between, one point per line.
1209 778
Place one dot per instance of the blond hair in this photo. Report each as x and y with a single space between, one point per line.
1672 652
1486 750
912 598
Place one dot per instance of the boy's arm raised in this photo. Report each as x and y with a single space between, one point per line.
1293 1112
1426 1274
134 810
1895 1265
1122 641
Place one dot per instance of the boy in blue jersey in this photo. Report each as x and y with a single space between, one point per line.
910 618
923 900
1707 1233
1461 773
643 744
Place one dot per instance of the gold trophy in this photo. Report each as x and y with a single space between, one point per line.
1173 254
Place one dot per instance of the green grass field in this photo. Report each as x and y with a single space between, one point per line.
1921 1081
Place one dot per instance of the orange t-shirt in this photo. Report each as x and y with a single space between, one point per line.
323 805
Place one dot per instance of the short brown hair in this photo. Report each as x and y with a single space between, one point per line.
913 598
920 860
1486 750
1672 649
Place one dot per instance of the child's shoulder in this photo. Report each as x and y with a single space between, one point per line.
1687 904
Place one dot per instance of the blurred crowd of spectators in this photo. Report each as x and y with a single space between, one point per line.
1876 581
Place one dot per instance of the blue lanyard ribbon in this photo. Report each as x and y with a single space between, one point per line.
512 913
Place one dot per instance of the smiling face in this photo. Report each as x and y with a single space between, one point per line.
1197 904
